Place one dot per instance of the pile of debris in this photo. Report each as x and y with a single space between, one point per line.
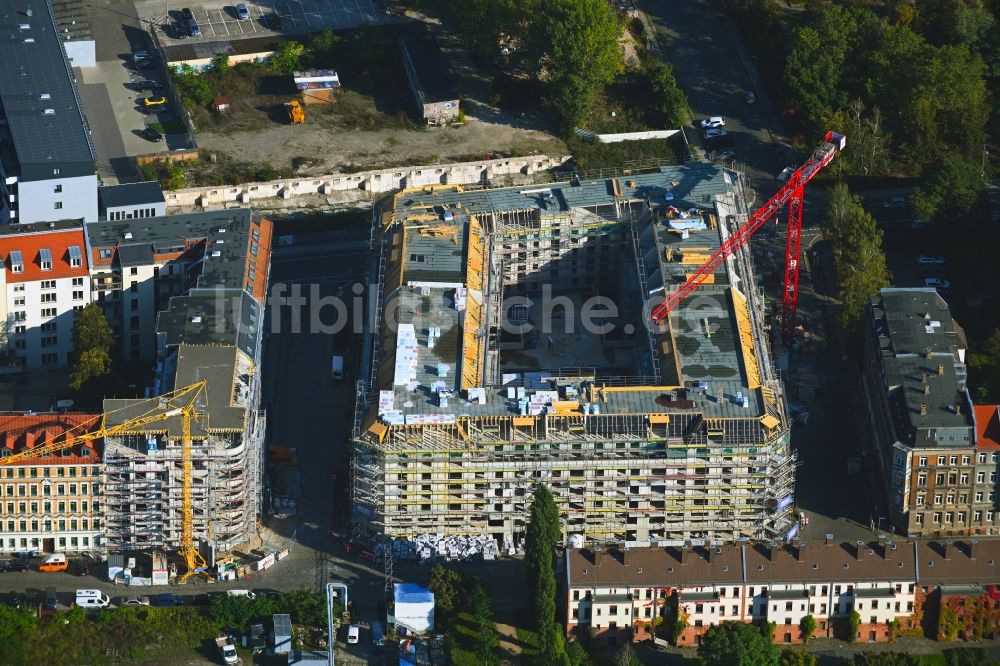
430 548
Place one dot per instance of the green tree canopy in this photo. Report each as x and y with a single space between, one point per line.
486 632
736 644
950 187
578 44
791 657
450 588
808 627
92 340
288 57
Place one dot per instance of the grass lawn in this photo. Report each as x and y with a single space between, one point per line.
529 641
463 652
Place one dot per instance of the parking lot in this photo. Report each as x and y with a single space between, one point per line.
219 21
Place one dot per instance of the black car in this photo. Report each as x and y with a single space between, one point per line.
273 21
148 84
18 565
166 599
151 134
51 601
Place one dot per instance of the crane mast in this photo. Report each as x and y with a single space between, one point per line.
193 560
790 194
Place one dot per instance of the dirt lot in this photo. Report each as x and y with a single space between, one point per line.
372 122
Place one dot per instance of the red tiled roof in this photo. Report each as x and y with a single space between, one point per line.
30 246
259 263
987 427
19 432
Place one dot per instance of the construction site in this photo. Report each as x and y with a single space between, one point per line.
510 343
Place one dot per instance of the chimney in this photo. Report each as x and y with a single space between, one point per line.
927 352
927 389
29 440
883 547
685 552
946 550
709 553
860 548
828 539
799 547
923 410
940 369
972 549
598 553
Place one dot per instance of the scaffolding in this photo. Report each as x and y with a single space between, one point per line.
642 457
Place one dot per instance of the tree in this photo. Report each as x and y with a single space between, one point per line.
626 656
220 63
950 186
797 658
486 638
578 41
736 644
985 366
191 86
670 100
867 151
288 57
857 243
305 607
541 537
853 622
450 588
818 59
92 340
808 626
577 655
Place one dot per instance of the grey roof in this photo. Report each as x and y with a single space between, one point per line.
32 69
225 232
131 194
919 346
135 254
218 409
212 316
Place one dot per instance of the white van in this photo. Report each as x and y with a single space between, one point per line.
353 634
92 599
242 593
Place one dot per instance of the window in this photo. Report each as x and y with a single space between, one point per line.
961 516
922 480
133 271
938 479
57 189
937 517
923 461
48 284
949 517
977 516
48 312
105 254
920 500
78 282
951 498
982 458
965 460
78 295
989 516
953 460
979 497
49 359
75 258
920 519
48 298
965 479
937 498
57 205
981 477
56 172
50 341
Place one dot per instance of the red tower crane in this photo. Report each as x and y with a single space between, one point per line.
791 193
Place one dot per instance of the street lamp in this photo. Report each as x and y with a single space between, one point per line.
331 593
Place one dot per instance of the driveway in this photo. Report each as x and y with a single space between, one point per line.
713 68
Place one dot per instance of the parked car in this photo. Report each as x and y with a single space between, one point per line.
717 138
148 84
353 634
141 56
749 97
785 174
930 259
242 13
134 600
51 600
151 102
894 202
712 123
937 282
54 562
16 600
166 599
18 566
191 23
151 134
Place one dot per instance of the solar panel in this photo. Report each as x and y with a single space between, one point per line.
16 259
45 254
74 253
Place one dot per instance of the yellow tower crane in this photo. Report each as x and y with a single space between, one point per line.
179 402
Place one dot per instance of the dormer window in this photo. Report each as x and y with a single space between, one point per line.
75 258
45 258
16 262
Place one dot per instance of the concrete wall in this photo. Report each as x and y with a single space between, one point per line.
636 136
135 211
360 186
37 199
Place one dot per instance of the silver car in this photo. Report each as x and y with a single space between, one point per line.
242 13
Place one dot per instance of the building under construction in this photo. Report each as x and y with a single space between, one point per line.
207 280
510 344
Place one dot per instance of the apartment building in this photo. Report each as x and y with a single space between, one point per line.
131 200
617 594
48 167
50 503
45 280
207 282
938 478
475 387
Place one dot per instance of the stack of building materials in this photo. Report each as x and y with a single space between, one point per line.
317 85
430 548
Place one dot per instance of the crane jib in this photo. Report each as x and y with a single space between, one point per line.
822 156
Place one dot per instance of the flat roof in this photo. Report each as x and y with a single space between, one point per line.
920 345
37 90
211 316
71 17
131 194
